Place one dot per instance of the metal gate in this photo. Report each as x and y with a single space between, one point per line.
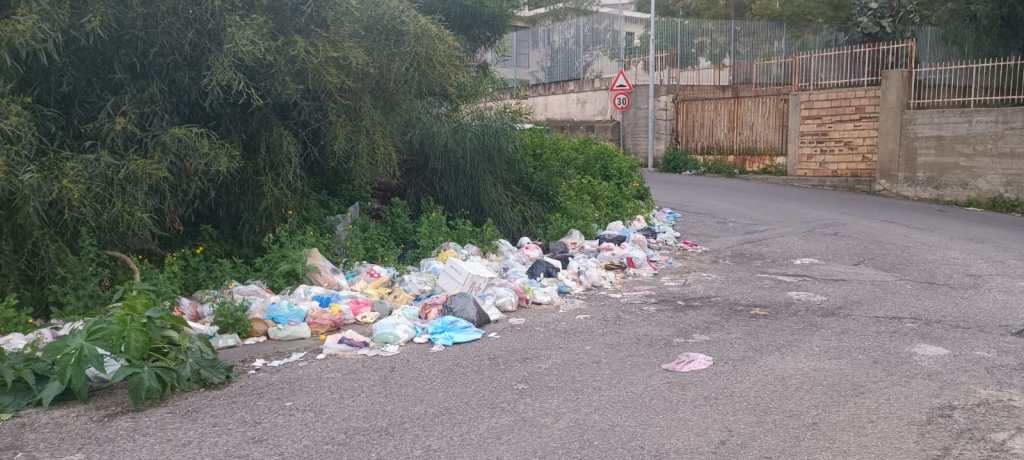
754 125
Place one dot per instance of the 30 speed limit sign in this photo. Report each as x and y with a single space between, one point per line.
622 101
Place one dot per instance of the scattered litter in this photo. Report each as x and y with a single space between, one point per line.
582 316
493 335
254 340
696 338
785 279
687 362
320 356
807 262
259 363
929 350
517 321
386 350
759 312
615 296
974 209
280 362
436 347
806 297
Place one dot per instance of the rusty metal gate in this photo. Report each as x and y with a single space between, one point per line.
752 125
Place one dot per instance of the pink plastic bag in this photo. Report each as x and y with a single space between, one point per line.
687 362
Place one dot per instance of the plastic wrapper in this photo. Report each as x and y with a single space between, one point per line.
638 241
450 330
290 332
398 296
192 310
394 330
207 330
323 273
486 301
523 242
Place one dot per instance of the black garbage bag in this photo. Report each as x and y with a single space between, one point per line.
609 238
649 233
465 306
562 259
542 269
557 247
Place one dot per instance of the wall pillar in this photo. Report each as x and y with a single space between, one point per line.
793 134
895 96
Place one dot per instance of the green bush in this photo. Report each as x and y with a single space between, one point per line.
159 356
13 319
721 167
998 203
232 317
774 169
582 183
678 161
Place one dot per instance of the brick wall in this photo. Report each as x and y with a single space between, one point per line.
839 133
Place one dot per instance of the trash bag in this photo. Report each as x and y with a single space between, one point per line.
419 283
290 332
371 277
450 330
430 266
523 242
649 232
532 251
432 308
505 299
542 268
259 327
562 259
465 306
614 227
322 321
383 308
544 295
398 296
285 312
557 247
487 304
612 238
573 240
393 330
638 241
637 223
324 273
223 341
192 310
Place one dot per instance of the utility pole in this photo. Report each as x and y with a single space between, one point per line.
650 91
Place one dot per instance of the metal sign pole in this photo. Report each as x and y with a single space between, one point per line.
650 90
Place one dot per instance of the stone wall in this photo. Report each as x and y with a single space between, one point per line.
838 133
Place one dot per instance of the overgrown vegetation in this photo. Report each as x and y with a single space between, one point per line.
151 348
998 203
231 317
679 161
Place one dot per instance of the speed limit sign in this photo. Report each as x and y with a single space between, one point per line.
622 101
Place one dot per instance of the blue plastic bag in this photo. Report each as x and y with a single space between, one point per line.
285 312
449 330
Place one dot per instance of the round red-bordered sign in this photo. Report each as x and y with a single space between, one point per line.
622 101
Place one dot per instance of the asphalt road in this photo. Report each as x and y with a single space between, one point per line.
895 341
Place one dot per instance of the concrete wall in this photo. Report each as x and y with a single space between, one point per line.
634 123
961 153
605 131
839 133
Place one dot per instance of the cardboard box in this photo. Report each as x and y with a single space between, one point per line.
468 277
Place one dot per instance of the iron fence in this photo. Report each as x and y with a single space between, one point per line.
969 84
694 51
847 66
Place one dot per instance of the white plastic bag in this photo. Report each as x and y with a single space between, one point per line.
223 341
290 332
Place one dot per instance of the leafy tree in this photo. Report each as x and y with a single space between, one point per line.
478 23
877 20
138 123
980 27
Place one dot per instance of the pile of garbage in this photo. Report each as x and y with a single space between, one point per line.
446 300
